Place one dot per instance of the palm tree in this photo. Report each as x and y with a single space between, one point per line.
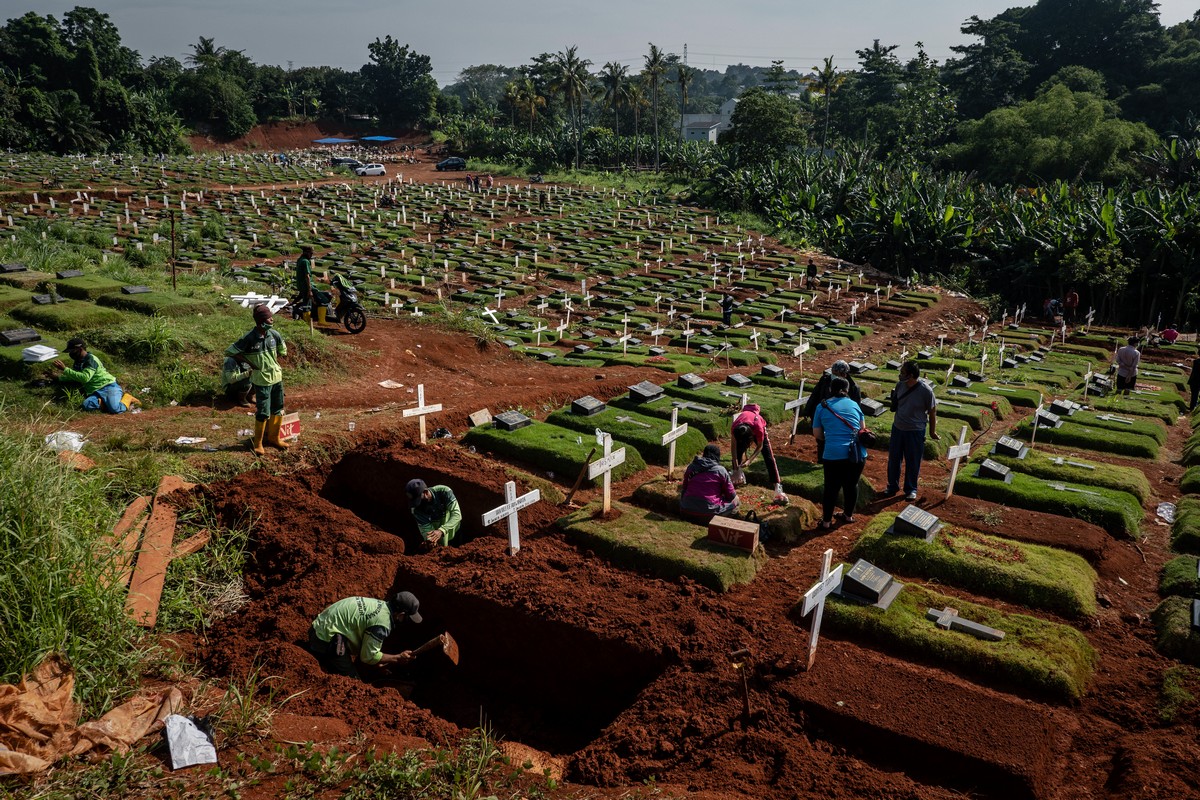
613 79
684 75
825 81
635 98
205 53
572 79
512 93
655 69
528 100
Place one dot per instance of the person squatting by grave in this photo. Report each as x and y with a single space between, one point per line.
235 382
839 369
435 508
100 389
835 426
260 350
360 625
1128 358
707 490
750 430
913 403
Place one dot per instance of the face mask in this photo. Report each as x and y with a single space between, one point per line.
268 325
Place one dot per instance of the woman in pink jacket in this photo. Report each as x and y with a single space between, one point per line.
750 430
706 490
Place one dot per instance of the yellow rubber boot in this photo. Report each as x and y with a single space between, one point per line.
320 315
256 444
130 402
273 426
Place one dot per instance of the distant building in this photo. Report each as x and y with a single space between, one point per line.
706 127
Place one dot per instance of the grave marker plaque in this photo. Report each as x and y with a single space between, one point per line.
657 351
581 349
915 521
10 268
68 273
738 381
645 392
994 470
691 381
961 381
1008 446
1047 420
772 371
511 421
1064 408
872 408
868 584
481 417
1008 363
19 336
135 289
893 364
924 355
587 406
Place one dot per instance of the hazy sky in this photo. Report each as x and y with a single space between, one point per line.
459 33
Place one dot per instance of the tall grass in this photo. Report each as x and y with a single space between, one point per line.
54 562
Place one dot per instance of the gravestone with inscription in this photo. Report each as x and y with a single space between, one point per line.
961 381
644 392
738 381
135 289
19 336
994 470
1064 408
872 408
511 421
915 521
1047 420
68 273
1008 446
867 583
893 364
772 371
587 406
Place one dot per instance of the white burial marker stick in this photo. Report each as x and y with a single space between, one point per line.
421 410
957 453
605 465
669 438
814 601
512 504
796 405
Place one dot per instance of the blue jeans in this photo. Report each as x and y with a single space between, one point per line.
909 446
110 395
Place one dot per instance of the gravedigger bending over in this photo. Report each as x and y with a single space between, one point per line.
260 350
100 389
360 625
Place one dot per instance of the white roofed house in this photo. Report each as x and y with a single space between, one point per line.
706 127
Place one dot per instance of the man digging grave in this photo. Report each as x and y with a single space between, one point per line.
436 510
360 625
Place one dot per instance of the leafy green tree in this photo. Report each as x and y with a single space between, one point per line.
482 87
69 125
655 71
764 126
31 46
990 73
779 80
87 26
400 82
1059 134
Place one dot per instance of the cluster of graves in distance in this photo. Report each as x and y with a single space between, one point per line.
590 277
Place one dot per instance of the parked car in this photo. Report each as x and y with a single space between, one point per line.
454 162
371 169
344 161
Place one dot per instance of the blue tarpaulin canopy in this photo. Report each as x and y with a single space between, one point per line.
333 140
379 138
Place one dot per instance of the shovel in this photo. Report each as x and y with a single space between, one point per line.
445 642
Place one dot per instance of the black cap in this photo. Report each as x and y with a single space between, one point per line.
407 603
416 490
76 344
262 313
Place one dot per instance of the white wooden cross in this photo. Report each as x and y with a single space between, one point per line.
562 327
1090 316
957 453
814 601
877 297
605 465
669 438
800 349
657 332
421 410
941 341
688 333
489 312
853 312
703 298
754 337
538 332
512 504
796 405
949 372
1087 380
982 361
1037 415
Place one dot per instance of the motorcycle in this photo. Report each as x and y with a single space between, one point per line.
348 312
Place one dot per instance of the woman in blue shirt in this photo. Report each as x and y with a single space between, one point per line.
836 423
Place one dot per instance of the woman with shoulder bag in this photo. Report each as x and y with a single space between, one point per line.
836 426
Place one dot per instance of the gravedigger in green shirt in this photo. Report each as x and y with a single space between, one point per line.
359 625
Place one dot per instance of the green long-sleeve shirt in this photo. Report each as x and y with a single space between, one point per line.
89 372
364 621
303 276
440 512
262 350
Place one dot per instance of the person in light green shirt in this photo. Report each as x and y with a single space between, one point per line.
359 625
260 350
436 510
100 389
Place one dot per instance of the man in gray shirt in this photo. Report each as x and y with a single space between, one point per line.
1128 358
913 402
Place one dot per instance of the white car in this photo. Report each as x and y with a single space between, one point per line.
371 169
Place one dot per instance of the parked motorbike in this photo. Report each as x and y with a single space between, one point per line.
347 311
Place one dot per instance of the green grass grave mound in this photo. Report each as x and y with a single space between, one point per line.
1041 657
1190 482
1185 530
1179 577
1165 412
1029 574
647 541
87 287
787 522
150 303
1015 395
1117 512
10 297
712 424
1079 471
770 401
805 479
551 449
1175 637
69 316
637 430
1105 440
